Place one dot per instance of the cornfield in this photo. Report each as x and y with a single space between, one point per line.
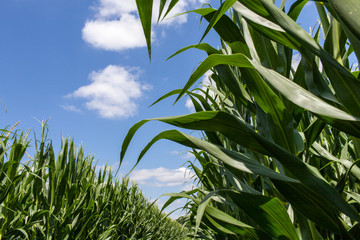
280 148
65 197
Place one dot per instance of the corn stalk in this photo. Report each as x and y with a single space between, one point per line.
66 197
280 147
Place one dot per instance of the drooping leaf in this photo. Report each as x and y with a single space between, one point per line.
145 13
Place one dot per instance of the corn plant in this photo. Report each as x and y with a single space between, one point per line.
66 198
280 146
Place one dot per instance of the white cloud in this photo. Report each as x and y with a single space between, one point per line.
71 108
115 8
116 25
115 35
189 105
161 177
112 92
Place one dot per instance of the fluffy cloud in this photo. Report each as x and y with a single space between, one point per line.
112 92
115 8
115 35
161 177
116 25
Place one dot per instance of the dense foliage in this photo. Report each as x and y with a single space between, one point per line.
49 197
281 145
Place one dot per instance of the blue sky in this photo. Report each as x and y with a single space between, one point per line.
83 65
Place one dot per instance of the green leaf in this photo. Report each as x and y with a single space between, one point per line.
296 8
250 15
227 30
348 11
231 158
345 85
286 87
145 13
161 8
171 5
258 18
200 212
310 204
318 150
246 136
219 13
230 225
269 213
